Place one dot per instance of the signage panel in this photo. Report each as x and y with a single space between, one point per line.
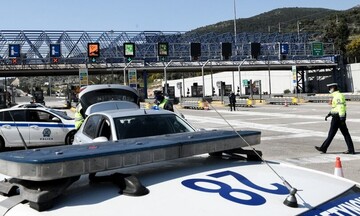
14 50
55 50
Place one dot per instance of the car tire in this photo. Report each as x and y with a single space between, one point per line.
69 139
2 144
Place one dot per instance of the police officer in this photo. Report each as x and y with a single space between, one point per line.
163 102
232 100
338 114
79 116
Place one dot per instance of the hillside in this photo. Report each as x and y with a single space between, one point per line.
286 20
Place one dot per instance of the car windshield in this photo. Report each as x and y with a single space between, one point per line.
150 125
61 114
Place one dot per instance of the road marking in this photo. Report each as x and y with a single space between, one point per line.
278 115
268 127
287 136
322 158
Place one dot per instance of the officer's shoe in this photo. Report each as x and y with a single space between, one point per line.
319 149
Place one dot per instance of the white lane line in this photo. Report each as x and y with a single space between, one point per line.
279 115
284 136
322 158
268 127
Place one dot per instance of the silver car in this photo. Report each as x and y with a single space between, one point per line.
111 125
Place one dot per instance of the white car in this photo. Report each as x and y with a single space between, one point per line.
20 127
120 123
166 175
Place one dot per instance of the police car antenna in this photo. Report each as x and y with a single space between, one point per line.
22 138
291 198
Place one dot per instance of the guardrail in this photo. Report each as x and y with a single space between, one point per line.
324 98
240 102
195 104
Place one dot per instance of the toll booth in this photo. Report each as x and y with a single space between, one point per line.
38 95
228 89
252 88
196 90
170 91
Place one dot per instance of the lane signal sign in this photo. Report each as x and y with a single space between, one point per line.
93 50
55 60
129 49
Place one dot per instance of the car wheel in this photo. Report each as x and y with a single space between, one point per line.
2 144
70 137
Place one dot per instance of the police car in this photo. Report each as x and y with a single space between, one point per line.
191 173
187 173
27 127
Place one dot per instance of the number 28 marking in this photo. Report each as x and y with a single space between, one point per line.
226 190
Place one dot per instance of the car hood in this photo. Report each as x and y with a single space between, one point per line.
99 93
203 185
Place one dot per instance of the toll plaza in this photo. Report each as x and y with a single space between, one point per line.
116 54
251 72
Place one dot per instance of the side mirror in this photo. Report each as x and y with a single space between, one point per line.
55 119
100 139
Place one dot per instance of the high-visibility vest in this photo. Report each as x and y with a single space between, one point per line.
338 104
79 119
162 104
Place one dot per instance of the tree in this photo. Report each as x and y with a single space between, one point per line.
353 48
338 33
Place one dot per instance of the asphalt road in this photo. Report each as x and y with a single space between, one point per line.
289 134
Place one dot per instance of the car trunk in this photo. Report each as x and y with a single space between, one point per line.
91 95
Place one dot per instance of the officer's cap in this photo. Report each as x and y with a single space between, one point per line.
331 84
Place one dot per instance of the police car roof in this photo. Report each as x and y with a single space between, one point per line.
25 108
206 186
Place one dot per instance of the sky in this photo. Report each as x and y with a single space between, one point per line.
141 15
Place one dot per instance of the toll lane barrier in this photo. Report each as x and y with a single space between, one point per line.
240 102
195 104
282 100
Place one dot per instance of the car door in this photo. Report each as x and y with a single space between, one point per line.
14 127
45 128
89 130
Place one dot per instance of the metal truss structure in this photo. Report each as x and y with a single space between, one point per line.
35 59
35 45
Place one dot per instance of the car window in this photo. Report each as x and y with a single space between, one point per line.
40 116
150 125
91 126
13 115
61 114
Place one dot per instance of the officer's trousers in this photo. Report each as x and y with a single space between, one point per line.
232 106
335 125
